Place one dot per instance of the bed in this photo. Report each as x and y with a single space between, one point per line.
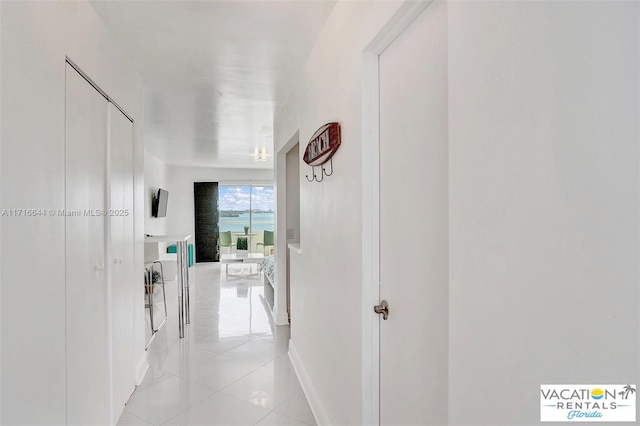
268 267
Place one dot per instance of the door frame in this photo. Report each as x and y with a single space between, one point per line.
280 314
401 19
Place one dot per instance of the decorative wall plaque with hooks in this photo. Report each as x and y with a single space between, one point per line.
323 145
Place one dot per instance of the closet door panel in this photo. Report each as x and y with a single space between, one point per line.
123 280
86 284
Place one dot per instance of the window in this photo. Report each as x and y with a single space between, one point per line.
246 207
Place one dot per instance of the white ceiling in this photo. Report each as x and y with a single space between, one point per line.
215 72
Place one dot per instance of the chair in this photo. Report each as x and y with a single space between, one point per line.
267 240
151 255
149 281
174 249
225 240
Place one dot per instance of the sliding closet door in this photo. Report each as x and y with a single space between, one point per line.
88 393
122 280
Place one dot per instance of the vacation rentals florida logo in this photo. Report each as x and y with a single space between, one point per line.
588 403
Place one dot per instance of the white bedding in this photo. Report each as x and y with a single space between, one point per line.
268 266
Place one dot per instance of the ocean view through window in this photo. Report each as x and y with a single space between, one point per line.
247 206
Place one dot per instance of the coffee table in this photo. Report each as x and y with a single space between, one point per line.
227 258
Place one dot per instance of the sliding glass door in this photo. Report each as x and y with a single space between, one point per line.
246 211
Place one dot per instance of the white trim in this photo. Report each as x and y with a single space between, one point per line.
241 182
295 248
280 314
280 318
141 369
315 404
403 17
108 260
370 241
65 250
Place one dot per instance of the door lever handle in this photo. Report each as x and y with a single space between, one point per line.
382 308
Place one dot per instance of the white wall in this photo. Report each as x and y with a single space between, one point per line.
544 180
326 296
180 179
155 176
33 140
543 115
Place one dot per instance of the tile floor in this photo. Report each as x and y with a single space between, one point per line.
231 368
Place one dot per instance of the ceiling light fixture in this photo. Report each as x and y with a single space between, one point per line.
260 156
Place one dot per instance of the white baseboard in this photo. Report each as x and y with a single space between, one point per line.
317 409
141 368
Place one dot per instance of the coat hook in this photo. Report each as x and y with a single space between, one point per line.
313 170
325 172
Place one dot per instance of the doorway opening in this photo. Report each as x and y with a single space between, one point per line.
288 223
293 210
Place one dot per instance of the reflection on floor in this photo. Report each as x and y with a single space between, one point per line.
231 368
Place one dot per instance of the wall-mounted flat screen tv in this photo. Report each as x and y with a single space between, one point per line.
159 206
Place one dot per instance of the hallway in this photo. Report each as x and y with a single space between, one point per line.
232 366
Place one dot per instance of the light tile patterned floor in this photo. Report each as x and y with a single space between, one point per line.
231 368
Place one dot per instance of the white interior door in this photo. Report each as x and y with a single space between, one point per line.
122 281
414 223
88 395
